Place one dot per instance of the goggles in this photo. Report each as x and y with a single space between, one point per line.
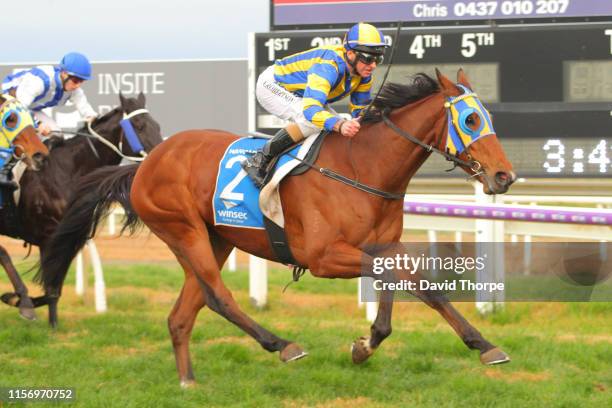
369 59
76 79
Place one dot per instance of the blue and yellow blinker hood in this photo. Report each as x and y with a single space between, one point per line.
460 136
24 120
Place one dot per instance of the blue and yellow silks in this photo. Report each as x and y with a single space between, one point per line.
321 76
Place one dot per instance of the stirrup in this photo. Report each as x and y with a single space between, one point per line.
254 167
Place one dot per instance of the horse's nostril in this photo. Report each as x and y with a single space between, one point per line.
502 178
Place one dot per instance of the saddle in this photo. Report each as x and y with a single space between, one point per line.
238 203
305 164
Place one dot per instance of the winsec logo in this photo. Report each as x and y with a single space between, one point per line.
234 215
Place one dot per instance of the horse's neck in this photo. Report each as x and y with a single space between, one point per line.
397 159
76 157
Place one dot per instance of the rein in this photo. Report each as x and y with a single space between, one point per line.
95 135
473 165
132 138
350 182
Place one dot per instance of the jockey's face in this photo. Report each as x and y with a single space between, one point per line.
71 83
364 67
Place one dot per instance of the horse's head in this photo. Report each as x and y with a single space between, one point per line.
471 136
140 130
18 133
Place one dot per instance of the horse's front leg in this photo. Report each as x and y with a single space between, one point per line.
344 261
20 298
489 354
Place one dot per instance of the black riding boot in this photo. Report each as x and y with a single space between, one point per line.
256 165
5 178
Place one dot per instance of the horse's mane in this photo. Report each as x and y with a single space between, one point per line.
394 95
101 119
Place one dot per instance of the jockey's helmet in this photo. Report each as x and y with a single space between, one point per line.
365 38
76 64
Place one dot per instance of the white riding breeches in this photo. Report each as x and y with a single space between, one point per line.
283 104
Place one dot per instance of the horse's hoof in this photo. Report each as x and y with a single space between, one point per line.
11 299
361 350
292 352
187 384
494 356
27 313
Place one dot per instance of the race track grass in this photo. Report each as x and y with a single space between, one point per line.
562 353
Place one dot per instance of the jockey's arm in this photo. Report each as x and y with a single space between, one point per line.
80 101
320 79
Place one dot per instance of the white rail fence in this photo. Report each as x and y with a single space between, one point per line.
487 217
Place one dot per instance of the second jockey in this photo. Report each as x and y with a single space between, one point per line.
45 86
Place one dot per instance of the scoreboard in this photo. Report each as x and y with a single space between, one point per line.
548 87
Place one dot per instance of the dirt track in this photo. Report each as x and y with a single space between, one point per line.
144 246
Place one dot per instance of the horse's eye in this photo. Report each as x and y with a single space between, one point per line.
470 121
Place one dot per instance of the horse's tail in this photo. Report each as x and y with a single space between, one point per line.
91 202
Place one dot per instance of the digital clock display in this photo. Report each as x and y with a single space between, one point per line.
588 81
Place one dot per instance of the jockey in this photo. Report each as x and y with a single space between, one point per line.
46 86
298 89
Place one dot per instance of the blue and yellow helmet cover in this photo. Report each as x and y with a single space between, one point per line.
363 34
460 135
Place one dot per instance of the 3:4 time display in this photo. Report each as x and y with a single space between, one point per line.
561 159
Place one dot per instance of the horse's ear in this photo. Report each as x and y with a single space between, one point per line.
141 99
122 99
462 79
447 86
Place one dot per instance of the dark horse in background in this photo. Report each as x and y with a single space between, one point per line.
329 225
44 194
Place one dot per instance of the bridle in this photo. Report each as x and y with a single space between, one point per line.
130 134
473 165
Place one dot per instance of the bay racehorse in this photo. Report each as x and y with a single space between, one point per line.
328 224
44 194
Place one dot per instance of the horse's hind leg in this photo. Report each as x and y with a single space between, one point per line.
183 315
180 324
20 298
193 247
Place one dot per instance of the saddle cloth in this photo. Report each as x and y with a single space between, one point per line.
237 202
